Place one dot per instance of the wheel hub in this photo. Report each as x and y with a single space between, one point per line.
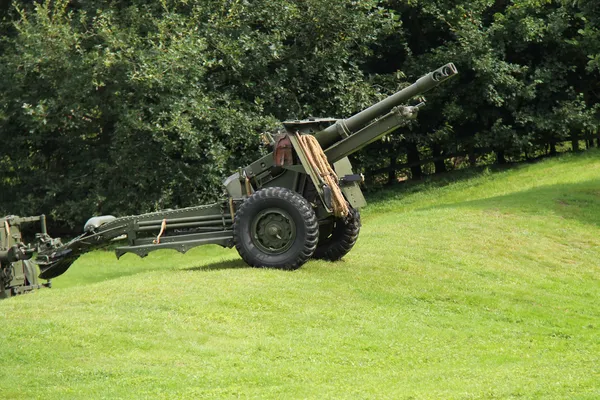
273 231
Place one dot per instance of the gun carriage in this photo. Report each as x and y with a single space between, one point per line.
302 200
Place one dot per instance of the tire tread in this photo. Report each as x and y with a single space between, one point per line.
341 241
311 225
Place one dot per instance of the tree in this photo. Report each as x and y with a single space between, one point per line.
129 106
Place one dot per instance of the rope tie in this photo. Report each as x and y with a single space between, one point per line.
318 161
163 226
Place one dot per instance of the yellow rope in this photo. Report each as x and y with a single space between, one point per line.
163 226
318 160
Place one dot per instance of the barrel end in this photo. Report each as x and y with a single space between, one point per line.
445 72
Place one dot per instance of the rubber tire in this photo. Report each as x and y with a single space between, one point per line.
303 216
342 238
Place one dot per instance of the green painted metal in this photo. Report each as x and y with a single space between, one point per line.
272 230
183 229
370 133
18 274
334 133
351 191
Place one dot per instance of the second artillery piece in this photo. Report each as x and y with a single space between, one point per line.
300 201
18 274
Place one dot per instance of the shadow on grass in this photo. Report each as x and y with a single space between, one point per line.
217 266
386 193
578 201
88 277
452 177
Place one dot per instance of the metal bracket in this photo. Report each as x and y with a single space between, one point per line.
350 179
342 128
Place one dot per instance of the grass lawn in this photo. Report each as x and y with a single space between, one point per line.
479 285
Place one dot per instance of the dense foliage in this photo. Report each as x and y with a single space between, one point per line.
111 106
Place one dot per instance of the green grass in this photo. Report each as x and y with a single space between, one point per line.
477 285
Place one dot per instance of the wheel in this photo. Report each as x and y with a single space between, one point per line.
275 228
338 238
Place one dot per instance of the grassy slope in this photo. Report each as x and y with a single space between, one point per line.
486 287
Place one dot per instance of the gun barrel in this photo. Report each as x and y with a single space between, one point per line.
15 253
329 136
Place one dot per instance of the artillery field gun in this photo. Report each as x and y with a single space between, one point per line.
300 201
17 273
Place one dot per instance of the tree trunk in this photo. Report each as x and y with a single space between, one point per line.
500 158
393 161
413 156
439 164
553 148
575 143
472 157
